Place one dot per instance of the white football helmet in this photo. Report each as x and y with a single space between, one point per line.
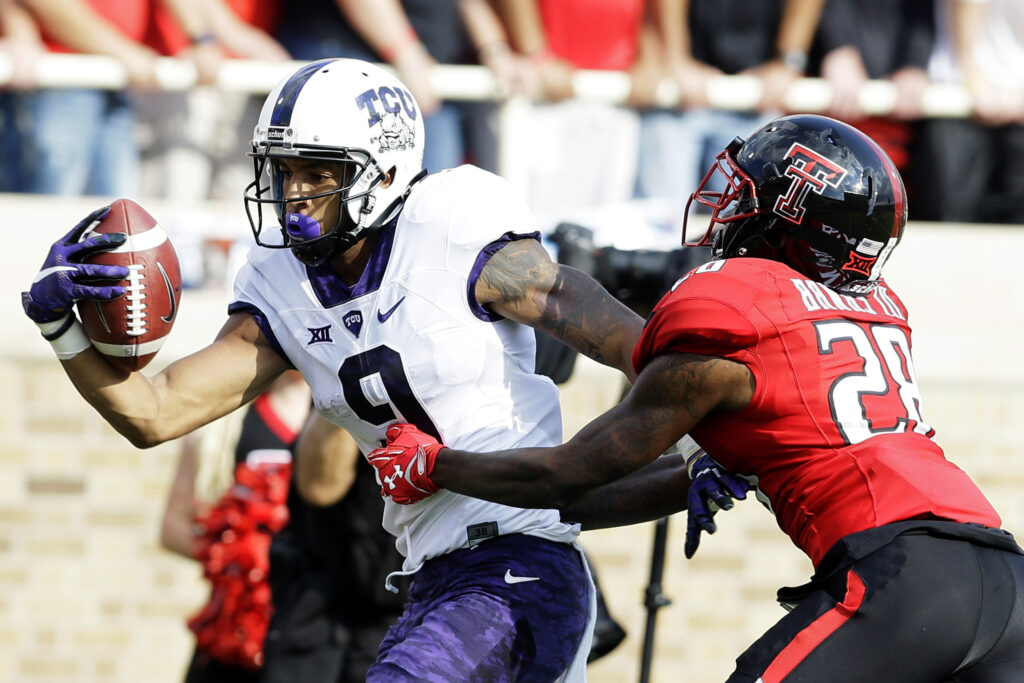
338 110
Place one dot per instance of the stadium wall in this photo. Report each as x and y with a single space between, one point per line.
86 594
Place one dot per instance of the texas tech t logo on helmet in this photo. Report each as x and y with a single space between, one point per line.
809 191
810 172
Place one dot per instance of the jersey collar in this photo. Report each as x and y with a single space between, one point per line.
329 288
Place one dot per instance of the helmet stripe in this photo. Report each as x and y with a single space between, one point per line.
285 104
898 190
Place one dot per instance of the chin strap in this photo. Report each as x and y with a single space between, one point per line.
395 206
323 250
339 240
746 238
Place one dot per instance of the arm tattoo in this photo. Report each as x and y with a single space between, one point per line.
512 271
690 382
578 311
562 301
699 385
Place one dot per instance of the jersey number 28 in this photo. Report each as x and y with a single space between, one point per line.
888 371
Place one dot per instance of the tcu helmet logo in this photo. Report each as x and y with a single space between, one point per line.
388 108
810 172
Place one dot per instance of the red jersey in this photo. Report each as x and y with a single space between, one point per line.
835 431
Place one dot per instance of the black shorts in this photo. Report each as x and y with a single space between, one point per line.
909 603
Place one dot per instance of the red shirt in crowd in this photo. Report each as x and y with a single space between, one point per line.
593 34
166 36
130 17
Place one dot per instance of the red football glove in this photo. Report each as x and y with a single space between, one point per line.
405 463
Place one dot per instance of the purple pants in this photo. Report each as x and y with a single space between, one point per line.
515 608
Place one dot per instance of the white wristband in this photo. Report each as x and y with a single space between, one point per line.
690 450
70 339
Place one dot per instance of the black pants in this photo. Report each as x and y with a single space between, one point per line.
920 609
205 669
965 171
343 658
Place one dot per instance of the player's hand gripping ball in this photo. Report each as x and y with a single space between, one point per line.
404 465
66 277
130 329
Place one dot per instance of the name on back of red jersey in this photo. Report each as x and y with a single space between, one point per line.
817 297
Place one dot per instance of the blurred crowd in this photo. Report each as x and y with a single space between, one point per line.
190 145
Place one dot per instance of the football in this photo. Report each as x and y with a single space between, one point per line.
131 329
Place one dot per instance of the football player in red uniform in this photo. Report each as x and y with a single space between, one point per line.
788 359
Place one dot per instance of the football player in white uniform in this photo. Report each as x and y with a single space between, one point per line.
401 297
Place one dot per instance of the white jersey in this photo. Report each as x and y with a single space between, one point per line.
410 343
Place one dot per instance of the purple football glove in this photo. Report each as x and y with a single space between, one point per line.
712 488
64 279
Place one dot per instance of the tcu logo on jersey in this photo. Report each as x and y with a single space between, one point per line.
810 172
389 109
353 321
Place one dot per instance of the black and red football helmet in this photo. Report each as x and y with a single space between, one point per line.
810 191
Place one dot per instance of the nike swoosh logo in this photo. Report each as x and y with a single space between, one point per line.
383 316
170 295
518 579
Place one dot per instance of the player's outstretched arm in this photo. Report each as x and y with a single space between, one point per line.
668 485
522 283
656 490
672 394
668 398
187 394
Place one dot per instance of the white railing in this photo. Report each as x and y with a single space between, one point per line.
476 83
